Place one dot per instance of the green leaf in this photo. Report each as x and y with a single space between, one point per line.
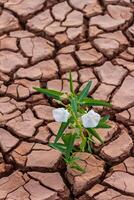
102 122
77 167
84 93
90 139
59 146
89 147
89 142
71 83
95 134
70 144
83 144
66 138
74 105
74 159
61 130
71 159
94 102
103 125
105 118
50 93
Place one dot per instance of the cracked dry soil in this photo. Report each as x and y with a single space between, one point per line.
39 42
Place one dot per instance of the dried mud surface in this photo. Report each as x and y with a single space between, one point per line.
39 42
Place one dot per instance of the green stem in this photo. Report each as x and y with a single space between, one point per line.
61 103
78 125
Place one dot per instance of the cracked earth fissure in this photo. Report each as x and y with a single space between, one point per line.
41 55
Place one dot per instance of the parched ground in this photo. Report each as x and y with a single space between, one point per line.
40 40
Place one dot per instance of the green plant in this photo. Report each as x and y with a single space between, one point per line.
77 121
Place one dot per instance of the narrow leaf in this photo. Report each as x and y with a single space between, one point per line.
102 122
77 167
95 134
59 146
83 144
74 159
105 118
74 105
61 130
94 102
90 139
89 147
70 145
84 93
103 125
71 159
50 93
66 138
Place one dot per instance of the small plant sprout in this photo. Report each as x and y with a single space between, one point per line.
79 122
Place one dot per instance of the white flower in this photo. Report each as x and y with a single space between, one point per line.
60 115
91 119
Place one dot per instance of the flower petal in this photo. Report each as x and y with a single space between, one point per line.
91 119
60 114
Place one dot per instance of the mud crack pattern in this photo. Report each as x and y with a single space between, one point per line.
39 42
